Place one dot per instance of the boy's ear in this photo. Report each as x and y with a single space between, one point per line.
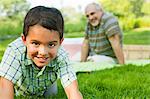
23 39
61 41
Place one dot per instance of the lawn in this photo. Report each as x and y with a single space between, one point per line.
128 81
137 36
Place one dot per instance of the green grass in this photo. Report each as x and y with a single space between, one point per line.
74 35
126 82
137 36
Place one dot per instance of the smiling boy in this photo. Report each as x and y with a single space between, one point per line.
32 63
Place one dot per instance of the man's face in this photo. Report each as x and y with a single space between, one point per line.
93 15
42 45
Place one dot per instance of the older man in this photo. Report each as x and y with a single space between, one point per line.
103 37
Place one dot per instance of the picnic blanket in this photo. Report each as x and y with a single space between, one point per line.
94 66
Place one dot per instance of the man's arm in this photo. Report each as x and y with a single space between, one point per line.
72 91
115 43
84 50
6 89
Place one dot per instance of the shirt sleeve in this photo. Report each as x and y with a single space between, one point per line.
10 65
112 27
86 31
66 73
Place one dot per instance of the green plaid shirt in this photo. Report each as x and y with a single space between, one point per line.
98 36
27 78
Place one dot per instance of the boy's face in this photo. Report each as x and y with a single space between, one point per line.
42 45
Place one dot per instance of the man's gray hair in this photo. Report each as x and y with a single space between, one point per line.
98 6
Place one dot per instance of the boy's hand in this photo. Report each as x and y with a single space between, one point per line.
72 91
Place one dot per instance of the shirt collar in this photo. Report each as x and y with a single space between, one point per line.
28 61
102 19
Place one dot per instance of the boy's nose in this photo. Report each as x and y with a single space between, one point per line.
42 51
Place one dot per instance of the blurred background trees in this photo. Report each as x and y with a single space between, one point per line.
11 16
13 8
131 14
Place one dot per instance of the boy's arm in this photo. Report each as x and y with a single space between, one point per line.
72 91
6 89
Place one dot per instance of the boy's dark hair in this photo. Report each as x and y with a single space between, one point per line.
49 18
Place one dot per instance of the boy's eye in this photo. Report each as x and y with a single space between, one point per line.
52 45
35 43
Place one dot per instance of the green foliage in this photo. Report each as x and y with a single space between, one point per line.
142 22
74 21
119 8
127 23
129 12
10 27
13 8
131 22
136 7
75 26
146 8
11 24
124 8
8 3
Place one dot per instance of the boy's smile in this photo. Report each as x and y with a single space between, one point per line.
42 44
